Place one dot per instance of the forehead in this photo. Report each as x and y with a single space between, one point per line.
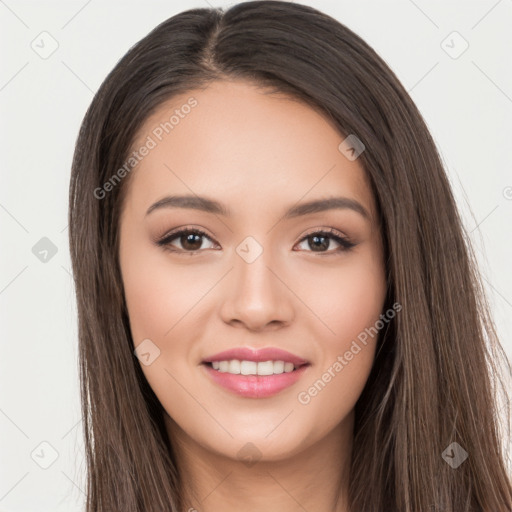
232 141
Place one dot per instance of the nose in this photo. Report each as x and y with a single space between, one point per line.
256 295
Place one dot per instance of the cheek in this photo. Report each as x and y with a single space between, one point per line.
158 294
348 304
161 299
343 300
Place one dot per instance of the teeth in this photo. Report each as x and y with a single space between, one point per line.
237 367
234 367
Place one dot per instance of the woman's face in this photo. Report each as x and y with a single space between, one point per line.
263 275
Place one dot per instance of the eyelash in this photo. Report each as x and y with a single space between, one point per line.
345 243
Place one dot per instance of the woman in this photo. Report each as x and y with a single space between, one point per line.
278 305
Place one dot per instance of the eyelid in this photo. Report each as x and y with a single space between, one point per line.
330 231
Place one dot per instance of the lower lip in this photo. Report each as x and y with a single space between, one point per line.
255 386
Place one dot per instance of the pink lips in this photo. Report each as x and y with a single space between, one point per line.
256 386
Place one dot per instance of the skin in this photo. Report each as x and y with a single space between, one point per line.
258 154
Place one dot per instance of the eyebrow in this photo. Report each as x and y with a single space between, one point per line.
211 206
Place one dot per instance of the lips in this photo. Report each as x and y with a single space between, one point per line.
248 385
255 386
260 355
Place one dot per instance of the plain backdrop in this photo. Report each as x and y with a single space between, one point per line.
452 57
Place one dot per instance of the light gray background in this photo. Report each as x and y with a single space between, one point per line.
466 102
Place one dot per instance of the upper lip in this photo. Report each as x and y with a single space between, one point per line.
262 354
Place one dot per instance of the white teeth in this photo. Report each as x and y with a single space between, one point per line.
265 368
248 368
288 367
237 367
279 366
234 367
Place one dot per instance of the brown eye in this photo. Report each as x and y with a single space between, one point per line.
320 241
191 240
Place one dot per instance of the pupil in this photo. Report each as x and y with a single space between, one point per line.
322 245
189 240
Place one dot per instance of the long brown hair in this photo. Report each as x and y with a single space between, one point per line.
436 377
